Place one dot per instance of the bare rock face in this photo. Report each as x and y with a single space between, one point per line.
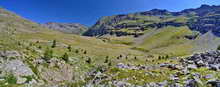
72 28
18 68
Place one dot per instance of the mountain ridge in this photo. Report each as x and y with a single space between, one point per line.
71 28
157 18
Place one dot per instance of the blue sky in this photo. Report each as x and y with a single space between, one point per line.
87 12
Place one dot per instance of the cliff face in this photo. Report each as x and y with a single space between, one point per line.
72 28
202 19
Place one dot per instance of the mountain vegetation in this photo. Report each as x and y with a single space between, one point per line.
156 48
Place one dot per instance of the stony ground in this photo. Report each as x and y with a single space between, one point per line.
198 70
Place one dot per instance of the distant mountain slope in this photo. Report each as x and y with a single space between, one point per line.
72 28
206 42
202 19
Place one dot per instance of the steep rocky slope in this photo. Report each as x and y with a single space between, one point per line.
72 28
202 19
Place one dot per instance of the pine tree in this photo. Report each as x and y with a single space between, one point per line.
69 48
106 59
65 57
159 57
54 44
85 52
48 54
110 63
120 56
167 56
77 51
39 47
135 58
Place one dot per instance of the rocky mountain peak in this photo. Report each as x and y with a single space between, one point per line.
156 12
73 28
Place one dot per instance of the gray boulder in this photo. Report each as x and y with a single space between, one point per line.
17 68
9 54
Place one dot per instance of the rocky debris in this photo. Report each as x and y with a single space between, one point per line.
9 54
133 67
209 76
190 83
172 66
39 61
209 59
21 80
121 84
158 84
18 69
73 28
57 71
191 66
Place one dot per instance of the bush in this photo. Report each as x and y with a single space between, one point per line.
11 79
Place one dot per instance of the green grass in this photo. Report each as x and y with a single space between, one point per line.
169 40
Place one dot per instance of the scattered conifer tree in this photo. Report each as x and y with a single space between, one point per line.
69 48
159 57
110 63
39 47
85 52
54 44
167 56
120 56
77 51
135 58
48 54
65 57
19 43
106 59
